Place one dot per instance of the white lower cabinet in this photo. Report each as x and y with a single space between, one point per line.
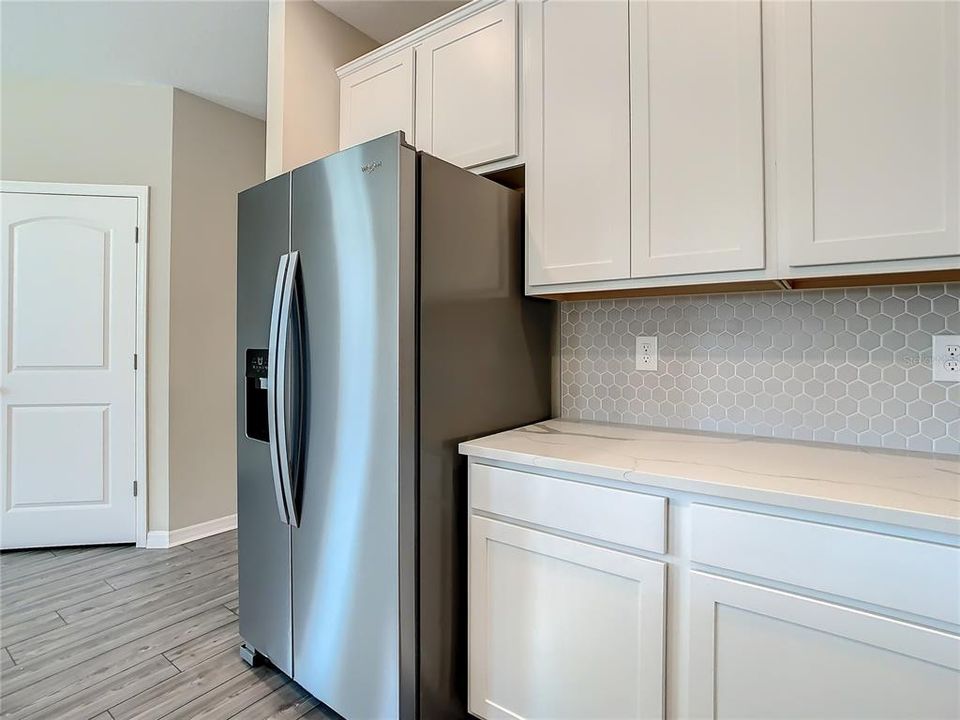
561 628
568 621
766 654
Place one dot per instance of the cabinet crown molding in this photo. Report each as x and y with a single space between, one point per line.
417 35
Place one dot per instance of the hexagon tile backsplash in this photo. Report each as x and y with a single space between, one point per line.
846 366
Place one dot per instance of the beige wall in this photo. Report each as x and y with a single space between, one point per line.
216 153
194 156
113 135
307 45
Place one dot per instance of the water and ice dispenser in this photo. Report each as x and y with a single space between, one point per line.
256 395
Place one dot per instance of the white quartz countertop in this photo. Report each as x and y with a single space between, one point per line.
909 489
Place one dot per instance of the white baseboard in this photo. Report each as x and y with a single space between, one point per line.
170 538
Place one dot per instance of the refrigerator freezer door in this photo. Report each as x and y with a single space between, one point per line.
353 226
263 235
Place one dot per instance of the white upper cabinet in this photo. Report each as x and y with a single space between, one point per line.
452 85
467 89
867 124
685 142
645 136
697 137
377 99
577 110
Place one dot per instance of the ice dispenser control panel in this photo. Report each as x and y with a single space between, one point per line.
255 390
257 364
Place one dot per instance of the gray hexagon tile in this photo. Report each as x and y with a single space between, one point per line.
849 366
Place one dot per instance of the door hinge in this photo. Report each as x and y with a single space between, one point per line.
134 488
134 361
136 234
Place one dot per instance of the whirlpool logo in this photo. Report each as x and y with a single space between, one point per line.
369 167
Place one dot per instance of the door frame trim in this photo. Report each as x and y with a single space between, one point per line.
142 195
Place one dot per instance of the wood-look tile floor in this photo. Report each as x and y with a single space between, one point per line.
121 633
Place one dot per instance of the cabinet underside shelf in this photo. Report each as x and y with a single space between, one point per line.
810 283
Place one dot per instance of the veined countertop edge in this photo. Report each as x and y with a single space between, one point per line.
864 510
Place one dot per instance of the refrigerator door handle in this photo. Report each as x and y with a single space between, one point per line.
287 469
274 383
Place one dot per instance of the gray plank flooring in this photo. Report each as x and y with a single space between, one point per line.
122 633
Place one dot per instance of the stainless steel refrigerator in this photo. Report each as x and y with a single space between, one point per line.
381 320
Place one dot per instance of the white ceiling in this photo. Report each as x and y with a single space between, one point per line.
216 49
385 20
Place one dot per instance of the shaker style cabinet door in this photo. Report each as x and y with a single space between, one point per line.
577 117
562 629
761 653
377 99
867 124
697 137
467 89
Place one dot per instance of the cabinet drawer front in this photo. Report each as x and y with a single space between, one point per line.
617 516
906 575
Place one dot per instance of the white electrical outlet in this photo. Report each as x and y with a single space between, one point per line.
646 353
946 358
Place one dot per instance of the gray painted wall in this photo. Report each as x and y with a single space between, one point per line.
307 44
72 132
847 366
217 152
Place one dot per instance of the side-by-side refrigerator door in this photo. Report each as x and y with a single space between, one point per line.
263 237
353 230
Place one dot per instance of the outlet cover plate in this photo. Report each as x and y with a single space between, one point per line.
646 353
946 358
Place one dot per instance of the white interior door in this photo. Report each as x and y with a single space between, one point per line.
68 420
